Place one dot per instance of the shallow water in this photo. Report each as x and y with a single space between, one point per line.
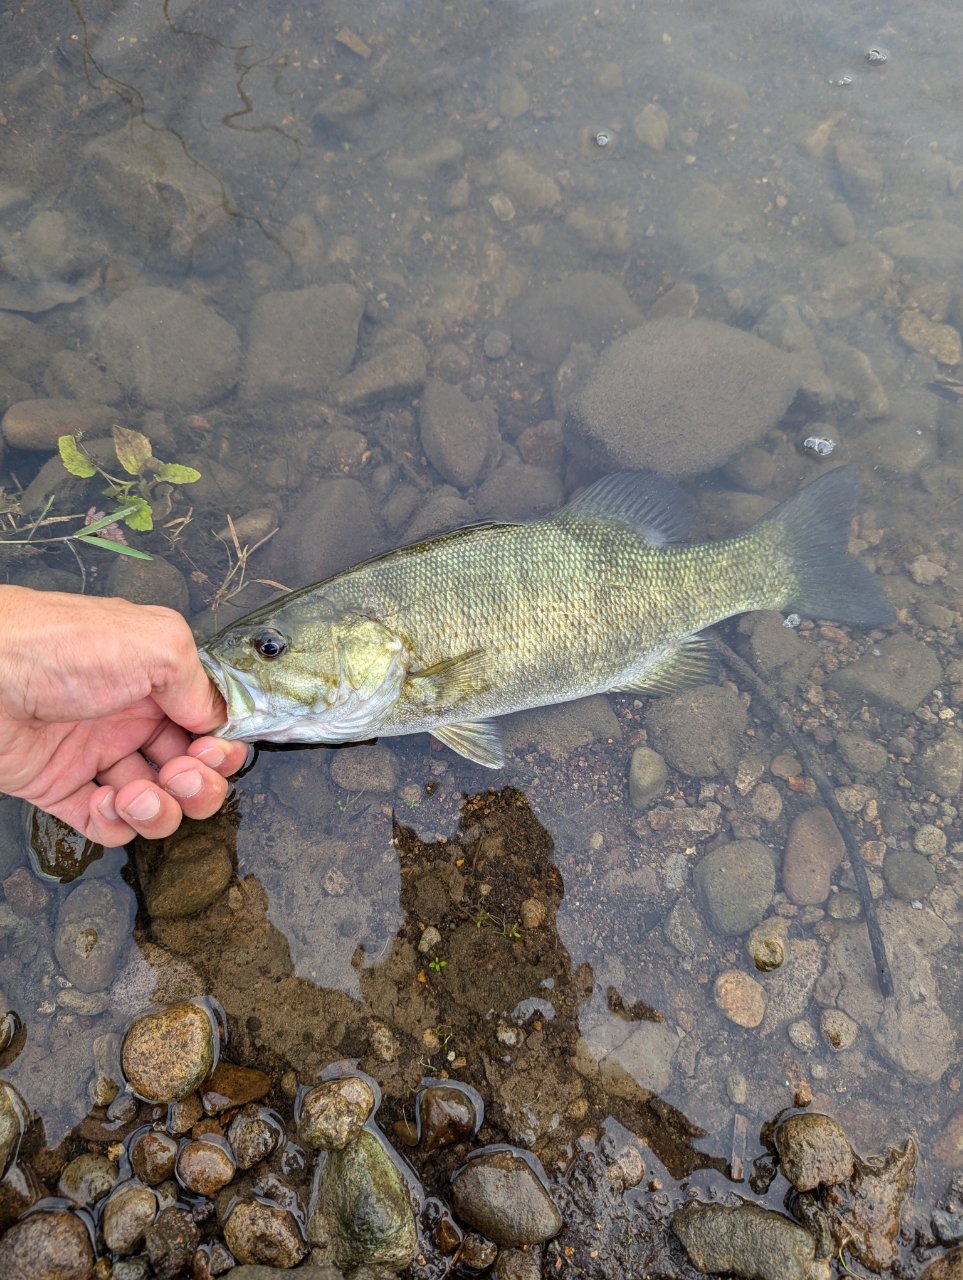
183 146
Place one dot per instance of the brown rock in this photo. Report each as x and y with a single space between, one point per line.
229 1086
205 1165
500 1194
938 340
447 1115
25 893
257 1233
128 1216
47 1246
740 998
814 850
949 1149
171 1242
814 1151
541 445
153 1157
183 1115
167 1054
949 1267
38 424
334 1112
866 1210
253 1135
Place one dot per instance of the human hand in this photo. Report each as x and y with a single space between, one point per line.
94 691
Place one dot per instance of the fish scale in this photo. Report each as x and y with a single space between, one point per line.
448 633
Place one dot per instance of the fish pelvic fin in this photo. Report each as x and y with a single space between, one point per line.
812 533
476 740
693 661
652 506
451 680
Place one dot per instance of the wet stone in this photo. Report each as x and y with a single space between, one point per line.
500 1194
87 1178
361 1207
814 849
518 1264
949 1267
185 873
803 1035
183 1114
301 342
167 1054
396 370
171 1242
941 765
25 893
230 1086
365 768
930 841
13 1114
92 933
37 424
334 1112
698 732
49 1245
909 876
814 1151
648 774
864 1214
154 581
684 929
516 491
128 1216
456 439
839 1030
768 944
899 679
206 1165
447 1116
587 307
735 884
740 998
477 1253
253 1136
860 754
748 1241
153 1157
497 344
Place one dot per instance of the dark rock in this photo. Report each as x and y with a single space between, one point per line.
167 1054
365 768
516 491
154 581
442 510
26 347
71 375
153 1157
447 1115
500 1194
898 679
864 1213
949 1267
456 439
587 307
477 1253
185 873
814 1151
776 650
26 894
754 1243
518 1264
698 732
253 1135
167 350
301 342
13 1121
57 850
860 754
334 1112
49 1245
261 1233
680 397
171 1242
735 884
93 932
128 1216
38 424
206 1165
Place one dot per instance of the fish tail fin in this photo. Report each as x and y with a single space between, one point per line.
812 533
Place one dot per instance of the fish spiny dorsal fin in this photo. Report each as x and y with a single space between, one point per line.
477 740
693 661
651 505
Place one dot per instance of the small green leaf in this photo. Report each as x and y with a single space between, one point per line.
133 450
140 518
73 459
175 473
119 547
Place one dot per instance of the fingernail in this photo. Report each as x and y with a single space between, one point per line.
144 807
213 757
106 807
184 785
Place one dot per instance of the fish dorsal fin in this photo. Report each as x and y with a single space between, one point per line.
651 505
451 680
477 740
693 661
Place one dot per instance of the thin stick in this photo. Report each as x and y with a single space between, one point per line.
884 975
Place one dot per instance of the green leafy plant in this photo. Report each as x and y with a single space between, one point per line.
437 965
146 495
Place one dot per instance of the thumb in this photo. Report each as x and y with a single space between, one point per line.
184 691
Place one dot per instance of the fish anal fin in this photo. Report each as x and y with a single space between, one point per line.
694 661
451 680
652 506
477 740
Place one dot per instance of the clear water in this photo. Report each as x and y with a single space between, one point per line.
775 116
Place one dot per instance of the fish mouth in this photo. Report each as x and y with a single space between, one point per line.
240 700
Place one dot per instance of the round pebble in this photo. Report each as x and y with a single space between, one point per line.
154 1157
930 841
430 940
768 944
839 1030
167 1054
128 1215
497 344
447 1114
87 1178
814 1151
908 875
844 906
740 998
52 1245
532 912
737 1088
803 1035
501 1195
334 1112
648 774
814 849
735 884
259 1233
206 1165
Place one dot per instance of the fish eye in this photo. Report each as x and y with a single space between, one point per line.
269 644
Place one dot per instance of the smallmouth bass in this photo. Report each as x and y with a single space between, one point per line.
601 596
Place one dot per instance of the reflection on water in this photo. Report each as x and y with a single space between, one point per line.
353 264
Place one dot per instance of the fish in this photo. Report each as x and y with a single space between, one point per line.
446 635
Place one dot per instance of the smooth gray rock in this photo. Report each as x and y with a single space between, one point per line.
754 1243
93 933
587 307
455 438
499 1194
860 754
898 679
735 885
648 774
330 529
941 765
698 732
301 342
365 768
516 491
908 876
154 581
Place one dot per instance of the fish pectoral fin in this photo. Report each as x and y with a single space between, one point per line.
694 661
451 680
652 506
477 740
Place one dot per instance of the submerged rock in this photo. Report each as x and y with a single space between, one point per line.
301 341
93 933
754 1243
587 307
263 1233
814 849
501 1195
735 884
167 1054
864 1213
698 732
679 396
896 674
813 1151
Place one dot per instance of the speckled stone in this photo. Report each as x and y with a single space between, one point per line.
908 875
206 1164
814 1151
838 1028
167 1054
153 1157
128 1215
500 1195
814 849
252 1136
334 1112
740 998
264 1234
87 1178
49 1245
